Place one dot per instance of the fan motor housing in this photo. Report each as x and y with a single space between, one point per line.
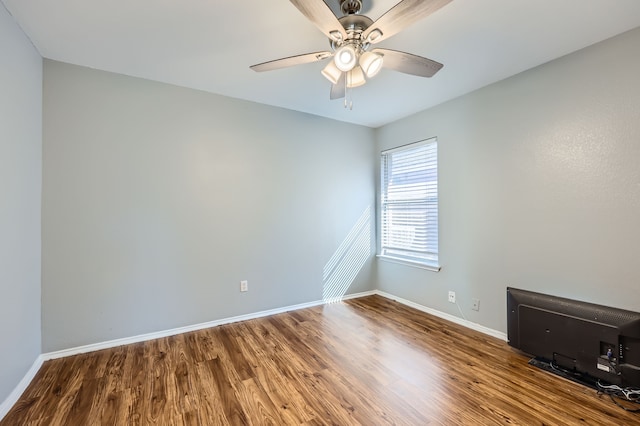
354 25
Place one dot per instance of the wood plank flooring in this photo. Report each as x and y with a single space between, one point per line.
368 361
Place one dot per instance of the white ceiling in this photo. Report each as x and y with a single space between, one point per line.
209 45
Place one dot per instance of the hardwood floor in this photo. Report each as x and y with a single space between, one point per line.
368 361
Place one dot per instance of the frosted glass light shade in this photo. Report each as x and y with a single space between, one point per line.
371 63
355 77
332 72
346 58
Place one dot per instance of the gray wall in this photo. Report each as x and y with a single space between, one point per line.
158 200
539 186
20 190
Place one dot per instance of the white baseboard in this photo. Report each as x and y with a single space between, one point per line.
22 386
172 332
465 323
9 402
13 397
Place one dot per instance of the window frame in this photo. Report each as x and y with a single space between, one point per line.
429 261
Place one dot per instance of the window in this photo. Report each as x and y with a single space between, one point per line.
409 204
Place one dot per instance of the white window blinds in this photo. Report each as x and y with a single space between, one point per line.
409 203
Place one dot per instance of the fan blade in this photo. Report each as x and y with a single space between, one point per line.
291 61
408 63
338 89
322 17
401 16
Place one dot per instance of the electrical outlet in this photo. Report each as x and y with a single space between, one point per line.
452 297
475 304
244 285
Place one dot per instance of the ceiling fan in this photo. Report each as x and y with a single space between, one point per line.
351 38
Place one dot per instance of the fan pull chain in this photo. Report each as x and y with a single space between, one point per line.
348 100
346 90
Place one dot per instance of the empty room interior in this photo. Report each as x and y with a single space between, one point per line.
306 212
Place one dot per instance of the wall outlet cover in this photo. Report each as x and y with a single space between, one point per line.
475 304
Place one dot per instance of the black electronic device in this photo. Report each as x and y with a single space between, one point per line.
597 341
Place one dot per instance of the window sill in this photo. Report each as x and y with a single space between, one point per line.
428 266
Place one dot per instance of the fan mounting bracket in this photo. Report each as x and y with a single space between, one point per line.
350 7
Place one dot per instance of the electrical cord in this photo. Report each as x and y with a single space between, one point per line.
616 393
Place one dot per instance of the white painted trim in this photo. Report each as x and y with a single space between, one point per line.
8 403
434 267
465 323
17 392
165 333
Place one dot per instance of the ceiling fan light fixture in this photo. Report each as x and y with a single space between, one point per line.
332 72
355 77
346 58
371 63
352 62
